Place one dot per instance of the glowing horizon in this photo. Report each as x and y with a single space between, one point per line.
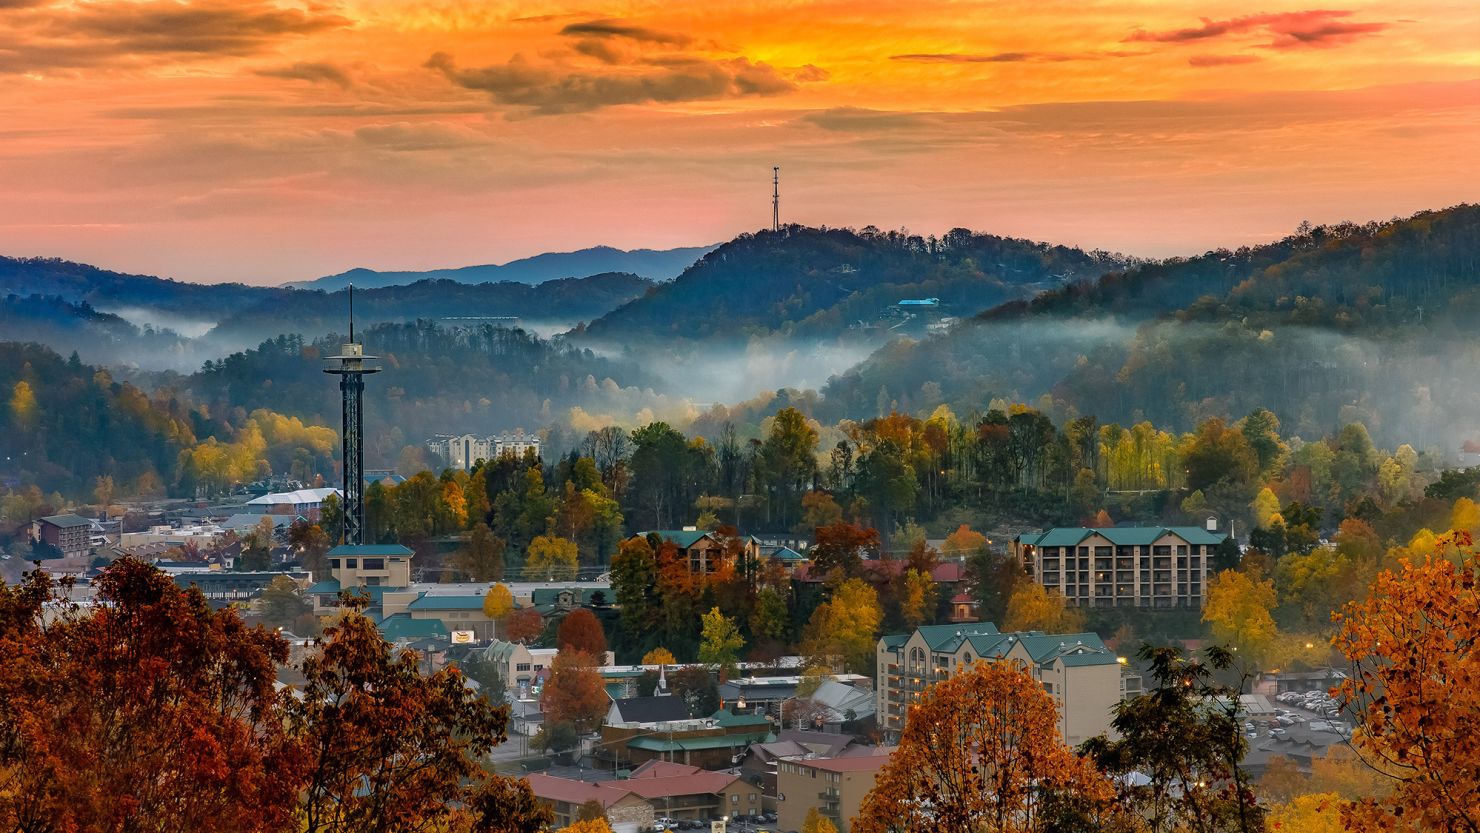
269 141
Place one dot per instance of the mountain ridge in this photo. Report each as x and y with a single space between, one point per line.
652 264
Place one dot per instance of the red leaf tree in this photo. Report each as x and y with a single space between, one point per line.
581 631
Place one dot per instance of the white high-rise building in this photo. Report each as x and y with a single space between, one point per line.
461 451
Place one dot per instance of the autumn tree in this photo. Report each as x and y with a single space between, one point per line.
1238 611
390 748
1184 737
720 642
918 602
979 753
817 823
588 825
842 547
524 625
1310 813
498 603
843 629
963 542
658 656
282 604
581 631
1414 688
696 686
311 544
131 713
575 693
1035 608
770 619
552 558
591 810
634 583
483 558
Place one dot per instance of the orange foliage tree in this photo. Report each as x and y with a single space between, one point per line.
574 693
391 749
524 624
981 753
581 631
148 711
1414 687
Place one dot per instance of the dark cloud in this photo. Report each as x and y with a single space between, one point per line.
1221 60
310 71
133 34
618 29
550 90
1313 27
861 120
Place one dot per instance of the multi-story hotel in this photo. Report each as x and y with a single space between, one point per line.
1121 566
1081 674
462 451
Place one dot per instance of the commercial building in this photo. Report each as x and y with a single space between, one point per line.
706 551
835 787
714 742
71 535
1082 675
655 790
305 503
1156 567
462 451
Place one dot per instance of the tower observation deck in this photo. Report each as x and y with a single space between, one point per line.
351 370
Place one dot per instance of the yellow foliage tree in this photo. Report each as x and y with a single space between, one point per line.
498 602
455 502
1265 507
1415 689
23 403
1318 813
818 823
588 826
658 656
1237 609
843 629
1031 607
1465 517
921 595
552 558
979 752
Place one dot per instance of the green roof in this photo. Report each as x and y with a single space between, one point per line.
370 549
402 626
432 601
548 595
894 640
1198 535
328 585
658 744
1074 648
1121 536
787 554
728 719
938 636
684 538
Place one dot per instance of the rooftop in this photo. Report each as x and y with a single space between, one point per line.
66 521
371 549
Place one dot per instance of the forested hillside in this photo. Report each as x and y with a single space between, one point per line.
818 281
112 291
565 301
96 336
657 265
435 379
1332 324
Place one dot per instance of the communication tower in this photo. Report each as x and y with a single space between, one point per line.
775 198
351 371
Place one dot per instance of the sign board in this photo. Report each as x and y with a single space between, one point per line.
716 827
462 638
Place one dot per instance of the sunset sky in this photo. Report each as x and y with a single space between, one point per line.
268 141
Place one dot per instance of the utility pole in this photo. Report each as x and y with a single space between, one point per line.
775 198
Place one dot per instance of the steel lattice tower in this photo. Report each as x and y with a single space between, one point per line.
351 371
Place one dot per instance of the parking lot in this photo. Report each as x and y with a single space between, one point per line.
764 823
1316 709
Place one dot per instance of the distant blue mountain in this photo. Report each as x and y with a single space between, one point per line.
653 264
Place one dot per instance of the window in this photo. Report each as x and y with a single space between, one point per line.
350 563
752 798
333 563
374 564
523 666
734 798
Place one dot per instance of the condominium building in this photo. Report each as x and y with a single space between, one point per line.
462 451
1157 567
1081 674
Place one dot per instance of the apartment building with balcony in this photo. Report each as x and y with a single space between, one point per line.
1155 567
835 787
1076 669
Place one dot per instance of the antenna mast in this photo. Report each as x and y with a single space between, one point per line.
351 369
351 313
775 198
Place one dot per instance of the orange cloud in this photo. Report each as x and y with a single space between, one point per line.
1315 27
